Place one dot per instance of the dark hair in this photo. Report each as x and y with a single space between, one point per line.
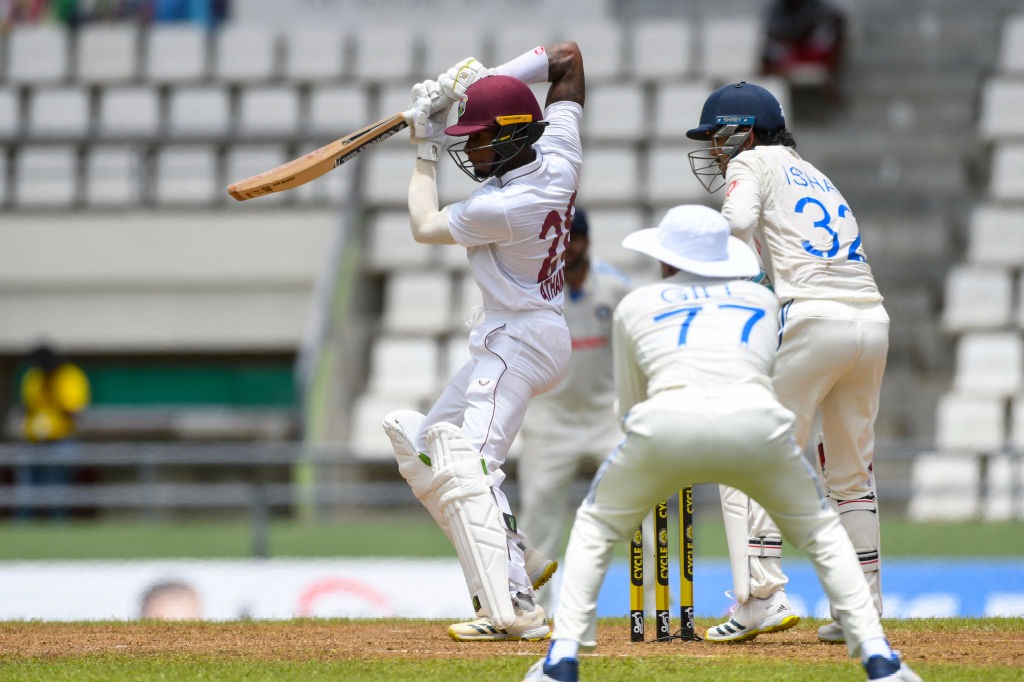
781 137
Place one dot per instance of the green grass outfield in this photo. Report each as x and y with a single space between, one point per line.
410 534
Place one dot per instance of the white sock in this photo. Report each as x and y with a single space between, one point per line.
563 648
877 646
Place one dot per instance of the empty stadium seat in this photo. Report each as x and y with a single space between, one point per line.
741 59
1011 45
977 297
669 178
336 110
602 42
38 54
175 53
59 112
995 235
944 487
128 112
366 434
390 245
187 175
1002 481
314 54
661 49
246 53
268 111
404 368
107 53
989 363
1007 173
608 227
1001 96
387 52
46 176
387 173
615 112
450 44
201 111
677 108
610 175
417 302
112 176
970 423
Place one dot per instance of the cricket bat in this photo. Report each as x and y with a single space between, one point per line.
310 166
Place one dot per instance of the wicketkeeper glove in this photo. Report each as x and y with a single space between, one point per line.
455 80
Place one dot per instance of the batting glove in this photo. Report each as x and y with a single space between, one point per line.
455 80
427 129
430 90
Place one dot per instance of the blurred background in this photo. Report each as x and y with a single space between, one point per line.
213 362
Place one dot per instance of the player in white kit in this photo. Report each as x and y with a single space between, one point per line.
574 423
834 343
693 360
514 228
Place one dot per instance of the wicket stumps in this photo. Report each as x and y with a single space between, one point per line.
662 593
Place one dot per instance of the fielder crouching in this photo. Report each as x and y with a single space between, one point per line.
515 228
693 357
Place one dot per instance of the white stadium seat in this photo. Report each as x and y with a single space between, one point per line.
112 176
995 235
314 54
616 112
403 368
385 53
944 487
175 53
610 174
1001 98
1007 172
977 297
187 175
741 60
244 53
989 364
10 113
677 108
128 112
336 110
386 175
669 178
608 227
268 111
602 43
1011 45
366 434
202 111
46 177
661 50
390 245
59 112
107 53
417 302
970 423
451 43
38 54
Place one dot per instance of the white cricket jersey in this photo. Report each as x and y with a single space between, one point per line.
515 226
687 331
587 390
800 224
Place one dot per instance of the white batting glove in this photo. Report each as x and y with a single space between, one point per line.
427 129
430 90
455 80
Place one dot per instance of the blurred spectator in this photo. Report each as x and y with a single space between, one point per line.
804 43
170 600
53 393
209 13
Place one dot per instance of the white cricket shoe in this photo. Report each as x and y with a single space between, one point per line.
832 633
529 626
538 567
889 669
756 617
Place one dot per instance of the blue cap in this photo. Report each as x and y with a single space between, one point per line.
740 103
579 223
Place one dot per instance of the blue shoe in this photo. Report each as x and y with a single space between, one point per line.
891 669
566 670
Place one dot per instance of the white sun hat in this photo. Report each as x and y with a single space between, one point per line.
695 238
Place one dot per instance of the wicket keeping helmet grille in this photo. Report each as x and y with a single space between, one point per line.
504 105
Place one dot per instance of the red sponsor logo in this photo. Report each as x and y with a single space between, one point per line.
589 342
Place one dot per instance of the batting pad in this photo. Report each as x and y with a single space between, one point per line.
467 505
400 426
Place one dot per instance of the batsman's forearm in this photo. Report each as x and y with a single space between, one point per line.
428 222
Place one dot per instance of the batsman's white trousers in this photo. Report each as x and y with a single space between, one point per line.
513 357
740 436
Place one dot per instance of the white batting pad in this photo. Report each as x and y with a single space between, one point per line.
468 507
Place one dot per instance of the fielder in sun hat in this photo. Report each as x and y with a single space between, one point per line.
695 238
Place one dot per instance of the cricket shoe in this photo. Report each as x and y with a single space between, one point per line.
756 617
538 567
529 626
831 633
889 669
566 670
